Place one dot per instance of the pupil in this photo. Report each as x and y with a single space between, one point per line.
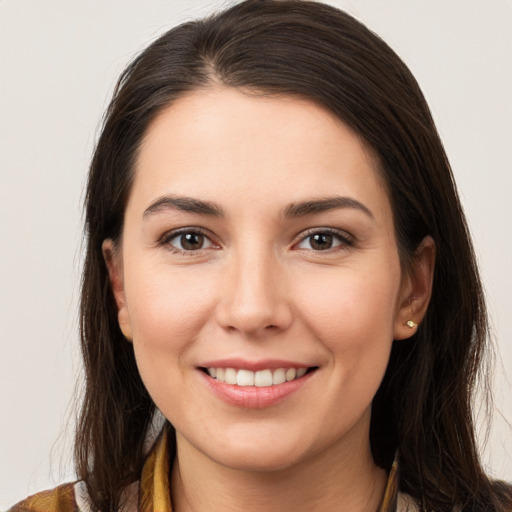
192 241
321 241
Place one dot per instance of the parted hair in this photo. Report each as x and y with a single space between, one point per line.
423 408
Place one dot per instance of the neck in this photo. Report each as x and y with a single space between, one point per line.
341 478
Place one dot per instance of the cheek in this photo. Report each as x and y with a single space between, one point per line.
159 296
350 301
353 315
167 309
349 314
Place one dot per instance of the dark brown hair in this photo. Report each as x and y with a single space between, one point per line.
311 50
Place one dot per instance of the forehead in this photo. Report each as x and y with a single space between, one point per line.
222 141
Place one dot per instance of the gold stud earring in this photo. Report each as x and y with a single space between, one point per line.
411 324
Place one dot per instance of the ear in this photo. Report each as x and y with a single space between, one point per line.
416 290
115 273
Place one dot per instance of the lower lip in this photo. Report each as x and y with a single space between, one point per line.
253 396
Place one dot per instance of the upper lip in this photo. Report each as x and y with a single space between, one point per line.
262 364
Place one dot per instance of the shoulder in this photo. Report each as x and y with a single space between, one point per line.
72 497
59 499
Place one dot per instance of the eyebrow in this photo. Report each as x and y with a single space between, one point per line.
184 204
193 205
321 205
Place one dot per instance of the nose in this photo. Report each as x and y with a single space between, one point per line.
254 298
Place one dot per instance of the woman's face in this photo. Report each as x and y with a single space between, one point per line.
258 244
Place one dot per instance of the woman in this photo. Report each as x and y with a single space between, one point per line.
277 262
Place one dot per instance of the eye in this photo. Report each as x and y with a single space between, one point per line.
187 241
323 240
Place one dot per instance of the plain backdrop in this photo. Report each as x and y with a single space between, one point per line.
58 63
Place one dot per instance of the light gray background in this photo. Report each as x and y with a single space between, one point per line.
58 64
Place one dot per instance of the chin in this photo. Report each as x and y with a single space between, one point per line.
260 459
258 451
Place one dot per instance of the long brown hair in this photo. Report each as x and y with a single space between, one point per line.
292 47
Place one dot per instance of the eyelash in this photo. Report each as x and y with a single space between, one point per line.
168 237
344 239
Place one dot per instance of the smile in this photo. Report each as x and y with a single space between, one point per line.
262 386
262 378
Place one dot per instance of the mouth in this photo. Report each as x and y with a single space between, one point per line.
256 384
268 377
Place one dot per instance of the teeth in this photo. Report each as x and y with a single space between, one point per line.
245 378
230 376
279 376
261 378
290 374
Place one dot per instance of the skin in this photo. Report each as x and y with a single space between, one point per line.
259 288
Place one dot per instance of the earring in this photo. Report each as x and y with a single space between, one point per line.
411 324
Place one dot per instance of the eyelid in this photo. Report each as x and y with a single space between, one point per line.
174 233
347 240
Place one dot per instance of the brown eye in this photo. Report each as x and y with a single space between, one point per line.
324 240
189 241
192 241
321 241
